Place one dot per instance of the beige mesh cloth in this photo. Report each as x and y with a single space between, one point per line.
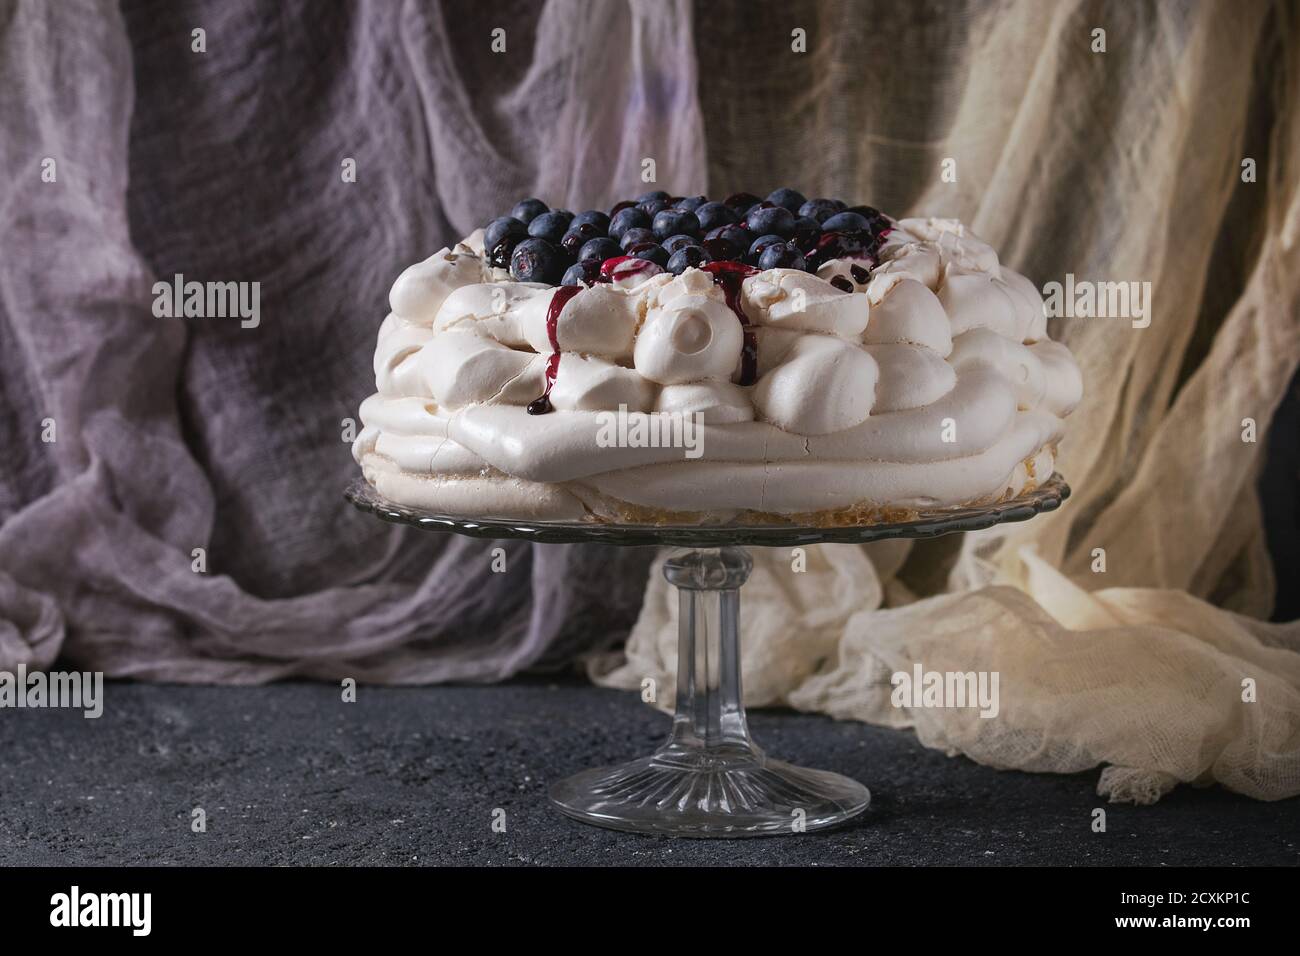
1122 165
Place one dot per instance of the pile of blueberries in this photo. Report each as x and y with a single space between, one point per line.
783 231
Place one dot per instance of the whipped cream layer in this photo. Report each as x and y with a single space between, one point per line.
923 382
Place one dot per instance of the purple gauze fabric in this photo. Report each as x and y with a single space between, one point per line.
176 434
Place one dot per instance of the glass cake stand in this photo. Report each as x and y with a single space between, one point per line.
709 779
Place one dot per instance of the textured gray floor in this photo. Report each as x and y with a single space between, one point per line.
291 775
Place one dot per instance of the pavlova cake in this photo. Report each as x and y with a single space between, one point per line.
681 360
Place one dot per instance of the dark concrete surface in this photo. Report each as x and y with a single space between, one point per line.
289 774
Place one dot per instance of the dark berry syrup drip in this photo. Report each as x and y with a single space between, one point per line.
542 404
624 267
842 245
730 276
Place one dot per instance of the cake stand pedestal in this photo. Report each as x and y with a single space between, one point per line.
709 779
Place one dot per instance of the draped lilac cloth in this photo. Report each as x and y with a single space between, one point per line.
171 435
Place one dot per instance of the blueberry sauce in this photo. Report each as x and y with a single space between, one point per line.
624 267
542 404
730 276
841 245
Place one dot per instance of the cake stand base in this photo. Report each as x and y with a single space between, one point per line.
709 796
709 779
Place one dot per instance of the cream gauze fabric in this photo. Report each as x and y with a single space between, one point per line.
1122 165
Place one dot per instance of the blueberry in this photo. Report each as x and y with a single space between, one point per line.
593 216
839 245
527 210
728 242
681 241
651 197
619 206
500 238
762 242
847 222
787 197
578 236
866 212
821 209
782 255
714 214
600 250
806 232
686 258
635 237
653 206
741 202
536 260
632 217
770 219
879 221
651 251
690 203
670 222
581 273
550 226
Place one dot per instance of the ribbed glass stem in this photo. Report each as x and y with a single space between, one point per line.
709 715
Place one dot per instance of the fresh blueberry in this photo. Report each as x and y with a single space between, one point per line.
690 203
577 236
714 214
500 238
527 210
728 242
581 273
847 222
650 250
806 232
550 226
866 212
635 237
600 250
776 220
821 209
787 197
670 222
685 258
839 245
782 255
741 202
633 217
651 197
680 241
536 260
593 216
879 221
762 242
653 206
619 206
